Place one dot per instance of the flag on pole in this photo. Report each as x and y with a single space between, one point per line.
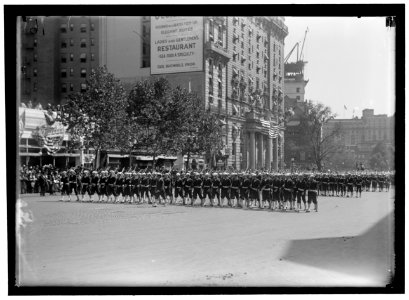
265 123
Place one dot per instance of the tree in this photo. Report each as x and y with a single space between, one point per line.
171 120
322 142
382 157
93 116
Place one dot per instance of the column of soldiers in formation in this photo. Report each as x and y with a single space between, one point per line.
241 190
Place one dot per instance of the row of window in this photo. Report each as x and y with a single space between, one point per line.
83 27
83 43
66 85
83 72
83 57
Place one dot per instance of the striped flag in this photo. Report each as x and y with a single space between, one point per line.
273 132
265 123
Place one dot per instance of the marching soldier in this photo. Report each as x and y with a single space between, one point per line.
312 193
144 188
216 185
111 182
127 187
207 188
168 188
350 185
225 189
245 190
85 183
65 186
94 184
276 192
265 191
288 193
102 186
234 191
160 190
187 187
255 190
152 188
179 188
301 186
72 180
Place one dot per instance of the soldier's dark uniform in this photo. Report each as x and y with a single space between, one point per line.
234 190
179 187
374 183
301 191
350 185
94 184
160 188
265 188
111 185
168 186
197 189
118 190
342 186
72 179
216 184
144 187
127 186
288 191
255 189
102 185
276 190
225 189
207 188
245 188
152 186
135 183
187 188
358 184
312 193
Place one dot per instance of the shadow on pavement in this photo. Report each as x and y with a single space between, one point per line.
369 255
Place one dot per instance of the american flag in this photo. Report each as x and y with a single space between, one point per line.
265 123
273 131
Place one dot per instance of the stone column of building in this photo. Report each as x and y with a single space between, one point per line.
252 150
275 153
268 153
260 160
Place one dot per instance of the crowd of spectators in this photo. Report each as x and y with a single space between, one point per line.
31 179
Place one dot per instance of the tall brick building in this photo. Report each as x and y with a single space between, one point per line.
57 55
242 79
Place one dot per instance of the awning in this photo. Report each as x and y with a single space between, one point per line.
144 158
118 155
166 157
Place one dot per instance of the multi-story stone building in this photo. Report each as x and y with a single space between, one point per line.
57 55
242 79
360 136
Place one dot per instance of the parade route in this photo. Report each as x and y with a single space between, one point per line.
349 242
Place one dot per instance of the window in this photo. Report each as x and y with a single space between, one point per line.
92 26
71 42
63 88
35 72
220 92
83 28
35 43
63 57
83 57
83 73
63 43
35 86
83 43
298 97
210 86
71 57
298 90
63 28
72 27
35 57
71 87
92 42
71 72
92 56
233 150
63 73
83 87
210 67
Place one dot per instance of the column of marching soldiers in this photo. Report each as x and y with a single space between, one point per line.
241 190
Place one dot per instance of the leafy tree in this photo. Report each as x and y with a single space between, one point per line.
92 116
382 157
322 142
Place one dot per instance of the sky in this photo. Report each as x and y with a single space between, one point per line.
350 62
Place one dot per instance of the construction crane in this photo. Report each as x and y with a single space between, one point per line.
289 54
302 48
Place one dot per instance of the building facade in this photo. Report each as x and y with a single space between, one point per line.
360 136
297 149
242 79
57 55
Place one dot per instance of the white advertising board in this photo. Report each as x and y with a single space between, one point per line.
176 44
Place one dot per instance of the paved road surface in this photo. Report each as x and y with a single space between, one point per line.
347 243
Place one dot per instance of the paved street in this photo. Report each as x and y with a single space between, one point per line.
347 243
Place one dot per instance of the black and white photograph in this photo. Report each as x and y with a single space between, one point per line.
230 151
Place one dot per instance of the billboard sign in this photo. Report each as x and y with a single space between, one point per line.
176 44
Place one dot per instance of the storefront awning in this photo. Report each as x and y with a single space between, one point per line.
118 155
167 157
144 158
